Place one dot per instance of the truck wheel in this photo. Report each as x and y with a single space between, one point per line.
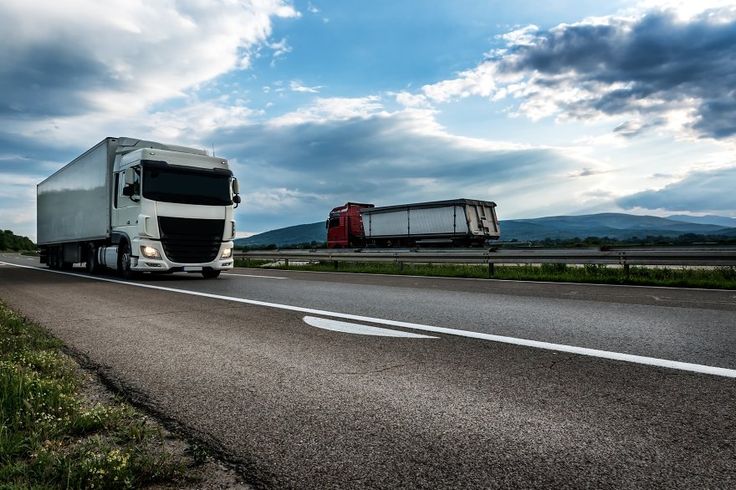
124 259
92 264
52 258
210 274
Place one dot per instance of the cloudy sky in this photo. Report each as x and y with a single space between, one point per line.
547 108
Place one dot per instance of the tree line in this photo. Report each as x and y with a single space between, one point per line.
11 241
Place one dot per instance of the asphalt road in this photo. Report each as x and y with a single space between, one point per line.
234 362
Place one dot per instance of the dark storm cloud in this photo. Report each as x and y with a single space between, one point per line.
381 159
668 62
32 156
718 117
699 191
50 80
383 144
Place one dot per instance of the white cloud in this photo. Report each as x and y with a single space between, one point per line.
407 99
297 86
669 70
120 56
332 109
280 49
709 191
277 200
525 36
186 125
685 9
23 215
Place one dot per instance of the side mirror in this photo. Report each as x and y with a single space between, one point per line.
128 190
129 176
236 199
236 187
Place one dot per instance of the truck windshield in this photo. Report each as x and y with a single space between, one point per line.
186 186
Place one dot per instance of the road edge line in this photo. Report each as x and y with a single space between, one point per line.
616 356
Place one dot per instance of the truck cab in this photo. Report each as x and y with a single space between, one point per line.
171 211
345 226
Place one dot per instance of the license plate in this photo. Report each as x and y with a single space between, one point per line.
192 269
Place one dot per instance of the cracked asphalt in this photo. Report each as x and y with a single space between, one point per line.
299 407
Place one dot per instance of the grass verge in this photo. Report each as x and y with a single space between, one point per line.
716 278
53 436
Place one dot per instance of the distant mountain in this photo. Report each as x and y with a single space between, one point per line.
705 220
612 225
291 235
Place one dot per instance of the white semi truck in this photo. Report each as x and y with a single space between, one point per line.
139 206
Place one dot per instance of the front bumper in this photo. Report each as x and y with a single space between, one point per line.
140 263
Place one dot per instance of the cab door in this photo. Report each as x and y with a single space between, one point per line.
127 208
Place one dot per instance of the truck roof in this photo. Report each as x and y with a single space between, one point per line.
136 143
430 204
126 144
349 204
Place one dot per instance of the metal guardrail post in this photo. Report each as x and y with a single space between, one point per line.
622 260
491 269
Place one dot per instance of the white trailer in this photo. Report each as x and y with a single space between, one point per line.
457 221
139 206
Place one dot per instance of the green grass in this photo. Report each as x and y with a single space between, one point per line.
721 277
251 262
52 436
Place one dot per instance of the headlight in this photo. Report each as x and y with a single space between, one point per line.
227 253
150 252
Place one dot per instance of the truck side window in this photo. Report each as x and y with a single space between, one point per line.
137 181
334 221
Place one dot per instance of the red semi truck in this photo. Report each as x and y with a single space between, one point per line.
457 222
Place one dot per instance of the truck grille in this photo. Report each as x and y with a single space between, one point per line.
191 241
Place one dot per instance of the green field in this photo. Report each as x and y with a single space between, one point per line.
718 278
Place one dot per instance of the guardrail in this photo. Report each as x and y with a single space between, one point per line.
621 257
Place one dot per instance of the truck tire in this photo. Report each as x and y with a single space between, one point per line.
124 258
56 254
92 265
210 274
52 258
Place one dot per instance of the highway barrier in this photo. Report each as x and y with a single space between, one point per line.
713 257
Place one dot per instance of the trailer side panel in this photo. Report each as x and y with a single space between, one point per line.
392 223
445 220
441 220
74 203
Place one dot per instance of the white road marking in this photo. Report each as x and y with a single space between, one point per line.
254 275
584 351
359 329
